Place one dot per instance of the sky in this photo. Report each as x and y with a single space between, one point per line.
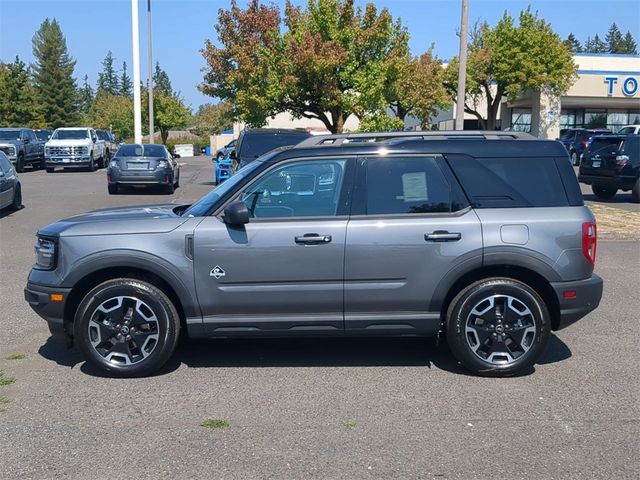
180 27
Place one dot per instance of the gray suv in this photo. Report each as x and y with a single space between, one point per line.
479 236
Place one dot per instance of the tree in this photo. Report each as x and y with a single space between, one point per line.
108 81
126 85
53 76
113 112
380 122
416 87
18 101
509 60
629 45
86 96
614 39
598 46
330 61
573 44
170 112
161 81
211 119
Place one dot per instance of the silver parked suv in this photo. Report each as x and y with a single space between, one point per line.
481 236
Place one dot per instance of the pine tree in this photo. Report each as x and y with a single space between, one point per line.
86 96
53 76
126 85
629 45
599 46
573 44
18 103
588 46
108 79
614 39
161 81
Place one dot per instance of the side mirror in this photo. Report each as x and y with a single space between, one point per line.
236 213
233 155
175 155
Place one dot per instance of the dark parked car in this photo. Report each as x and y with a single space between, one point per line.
255 142
110 145
43 134
226 150
482 237
22 147
576 141
612 163
147 164
10 189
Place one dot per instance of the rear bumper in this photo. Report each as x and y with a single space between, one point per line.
159 177
619 182
38 297
587 298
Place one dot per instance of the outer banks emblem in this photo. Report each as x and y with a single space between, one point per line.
217 272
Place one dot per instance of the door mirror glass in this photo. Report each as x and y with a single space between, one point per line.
236 213
233 155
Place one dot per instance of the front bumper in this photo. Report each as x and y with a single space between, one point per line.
39 299
67 161
587 298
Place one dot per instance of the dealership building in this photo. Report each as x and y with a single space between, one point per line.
606 94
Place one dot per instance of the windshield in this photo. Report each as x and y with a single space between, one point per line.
102 135
202 206
9 134
141 151
253 146
43 134
70 135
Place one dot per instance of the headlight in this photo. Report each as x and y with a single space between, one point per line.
12 151
162 164
113 164
45 254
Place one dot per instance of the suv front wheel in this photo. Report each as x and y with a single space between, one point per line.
498 327
126 327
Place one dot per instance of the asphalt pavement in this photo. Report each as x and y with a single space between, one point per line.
298 409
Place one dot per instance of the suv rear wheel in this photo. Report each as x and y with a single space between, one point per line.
635 191
126 327
603 193
497 327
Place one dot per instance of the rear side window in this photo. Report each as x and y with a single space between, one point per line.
604 145
631 148
407 186
510 182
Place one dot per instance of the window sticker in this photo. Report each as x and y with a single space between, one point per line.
414 187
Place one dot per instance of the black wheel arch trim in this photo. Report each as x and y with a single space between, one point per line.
136 261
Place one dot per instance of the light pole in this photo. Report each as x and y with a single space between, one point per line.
462 68
135 40
150 75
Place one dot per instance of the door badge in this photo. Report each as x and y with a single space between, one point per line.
217 272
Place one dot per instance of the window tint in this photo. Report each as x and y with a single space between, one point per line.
604 145
631 147
254 145
510 182
5 164
141 150
406 185
568 135
297 189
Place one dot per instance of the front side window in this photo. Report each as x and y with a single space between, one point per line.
406 186
297 189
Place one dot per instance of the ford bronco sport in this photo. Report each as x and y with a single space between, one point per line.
480 236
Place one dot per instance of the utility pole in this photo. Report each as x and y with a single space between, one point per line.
135 40
462 69
150 74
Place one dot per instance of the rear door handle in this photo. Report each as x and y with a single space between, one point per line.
442 236
313 239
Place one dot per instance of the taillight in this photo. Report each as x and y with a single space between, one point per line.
589 241
585 144
622 160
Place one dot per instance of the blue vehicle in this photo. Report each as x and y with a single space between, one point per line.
223 169
576 140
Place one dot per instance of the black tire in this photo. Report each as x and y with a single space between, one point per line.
50 169
635 191
603 193
575 159
138 316
92 164
17 198
502 346
170 189
177 184
106 158
20 163
113 189
42 164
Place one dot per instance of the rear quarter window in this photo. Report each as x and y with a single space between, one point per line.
510 182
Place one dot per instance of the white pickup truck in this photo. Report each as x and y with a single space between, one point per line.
74 147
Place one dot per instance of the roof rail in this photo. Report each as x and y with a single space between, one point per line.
383 137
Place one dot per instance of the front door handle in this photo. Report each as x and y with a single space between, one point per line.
313 239
442 236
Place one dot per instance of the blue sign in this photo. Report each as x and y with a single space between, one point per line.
629 85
